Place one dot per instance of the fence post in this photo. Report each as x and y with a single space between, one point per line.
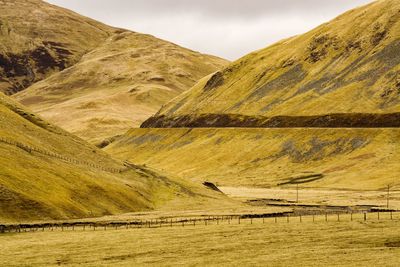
287 218
378 216
391 217
365 216
326 217
338 218
251 220
239 219
313 217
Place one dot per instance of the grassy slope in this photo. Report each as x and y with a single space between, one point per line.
350 64
37 185
347 158
342 243
118 85
38 39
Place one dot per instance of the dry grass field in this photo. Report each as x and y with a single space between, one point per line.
306 243
317 197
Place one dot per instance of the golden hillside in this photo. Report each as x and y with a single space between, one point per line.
359 159
349 65
118 85
38 39
47 173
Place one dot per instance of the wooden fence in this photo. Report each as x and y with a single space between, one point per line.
202 221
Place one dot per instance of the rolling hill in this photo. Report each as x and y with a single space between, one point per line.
47 173
104 80
341 70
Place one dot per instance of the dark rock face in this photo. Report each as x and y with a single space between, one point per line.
350 120
216 80
22 70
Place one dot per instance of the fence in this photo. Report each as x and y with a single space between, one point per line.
202 221
31 149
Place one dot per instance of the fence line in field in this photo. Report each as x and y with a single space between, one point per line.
31 149
202 221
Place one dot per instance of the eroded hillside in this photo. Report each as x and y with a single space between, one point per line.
38 39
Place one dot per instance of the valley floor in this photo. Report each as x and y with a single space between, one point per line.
252 243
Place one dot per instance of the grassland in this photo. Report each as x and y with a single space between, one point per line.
348 65
355 243
359 159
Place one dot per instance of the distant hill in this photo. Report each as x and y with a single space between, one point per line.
47 173
89 78
350 65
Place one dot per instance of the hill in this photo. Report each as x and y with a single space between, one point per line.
347 66
47 173
38 39
118 85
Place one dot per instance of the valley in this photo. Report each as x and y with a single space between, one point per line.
121 148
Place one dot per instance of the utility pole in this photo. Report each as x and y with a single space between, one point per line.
388 195
297 193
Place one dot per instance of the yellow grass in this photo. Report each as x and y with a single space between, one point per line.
38 186
344 243
358 159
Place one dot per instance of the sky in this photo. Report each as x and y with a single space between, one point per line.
225 28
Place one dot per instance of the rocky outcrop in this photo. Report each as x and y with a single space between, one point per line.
351 120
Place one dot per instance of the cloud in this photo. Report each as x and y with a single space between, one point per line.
227 28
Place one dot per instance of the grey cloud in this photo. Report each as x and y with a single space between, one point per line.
227 28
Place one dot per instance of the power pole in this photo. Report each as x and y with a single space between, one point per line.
388 195
297 193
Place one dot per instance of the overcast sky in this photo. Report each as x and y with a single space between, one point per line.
226 28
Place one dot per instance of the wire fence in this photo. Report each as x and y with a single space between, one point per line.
227 220
31 149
